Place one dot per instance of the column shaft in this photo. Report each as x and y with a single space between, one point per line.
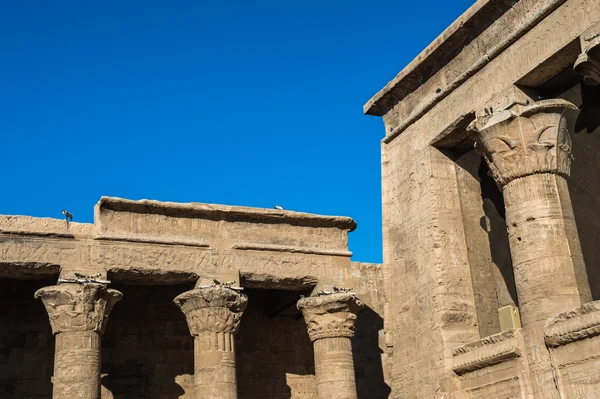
548 264
547 260
77 365
334 368
214 365
330 320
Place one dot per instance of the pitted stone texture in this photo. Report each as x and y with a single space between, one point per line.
330 316
522 141
78 307
213 315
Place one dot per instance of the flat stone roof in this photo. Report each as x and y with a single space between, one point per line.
435 56
226 213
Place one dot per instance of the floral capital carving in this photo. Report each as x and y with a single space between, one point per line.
527 140
78 307
213 309
330 316
588 62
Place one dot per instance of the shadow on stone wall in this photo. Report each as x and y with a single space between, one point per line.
273 352
147 351
368 368
26 341
494 209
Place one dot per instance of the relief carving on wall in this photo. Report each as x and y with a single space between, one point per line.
522 141
78 307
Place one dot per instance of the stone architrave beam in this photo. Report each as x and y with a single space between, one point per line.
213 315
330 320
528 150
78 315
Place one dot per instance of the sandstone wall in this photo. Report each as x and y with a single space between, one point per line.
26 342
444 278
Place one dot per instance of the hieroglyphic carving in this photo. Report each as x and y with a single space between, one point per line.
147 256
78 307
522 141
285 265
330 316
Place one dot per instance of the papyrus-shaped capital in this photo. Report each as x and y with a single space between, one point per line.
213 309
522 141
78 306
330 316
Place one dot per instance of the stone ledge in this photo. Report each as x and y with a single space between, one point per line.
573 325
488 351
290 249
152 240
223 212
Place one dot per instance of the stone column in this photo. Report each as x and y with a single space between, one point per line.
78 315
330 320
588 62
213 315
528 150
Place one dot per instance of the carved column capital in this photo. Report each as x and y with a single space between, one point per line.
330 316
526 140
78 307
213 309
588 62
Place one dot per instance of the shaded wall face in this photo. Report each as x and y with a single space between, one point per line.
584 184
148 351
274 354
26 341
483 215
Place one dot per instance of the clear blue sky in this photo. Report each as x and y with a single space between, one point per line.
242 102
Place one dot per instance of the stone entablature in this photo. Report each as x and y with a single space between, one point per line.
162 242
78 307
526 140
329 316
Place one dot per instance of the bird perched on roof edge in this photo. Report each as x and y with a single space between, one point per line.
278 207
68 215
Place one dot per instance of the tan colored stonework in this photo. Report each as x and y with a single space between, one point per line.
330 320
78 316
213 315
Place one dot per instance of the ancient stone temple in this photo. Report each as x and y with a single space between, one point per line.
490 282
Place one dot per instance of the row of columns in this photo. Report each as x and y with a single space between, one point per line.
78 314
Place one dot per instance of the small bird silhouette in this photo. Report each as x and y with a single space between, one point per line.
68 215
279 207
